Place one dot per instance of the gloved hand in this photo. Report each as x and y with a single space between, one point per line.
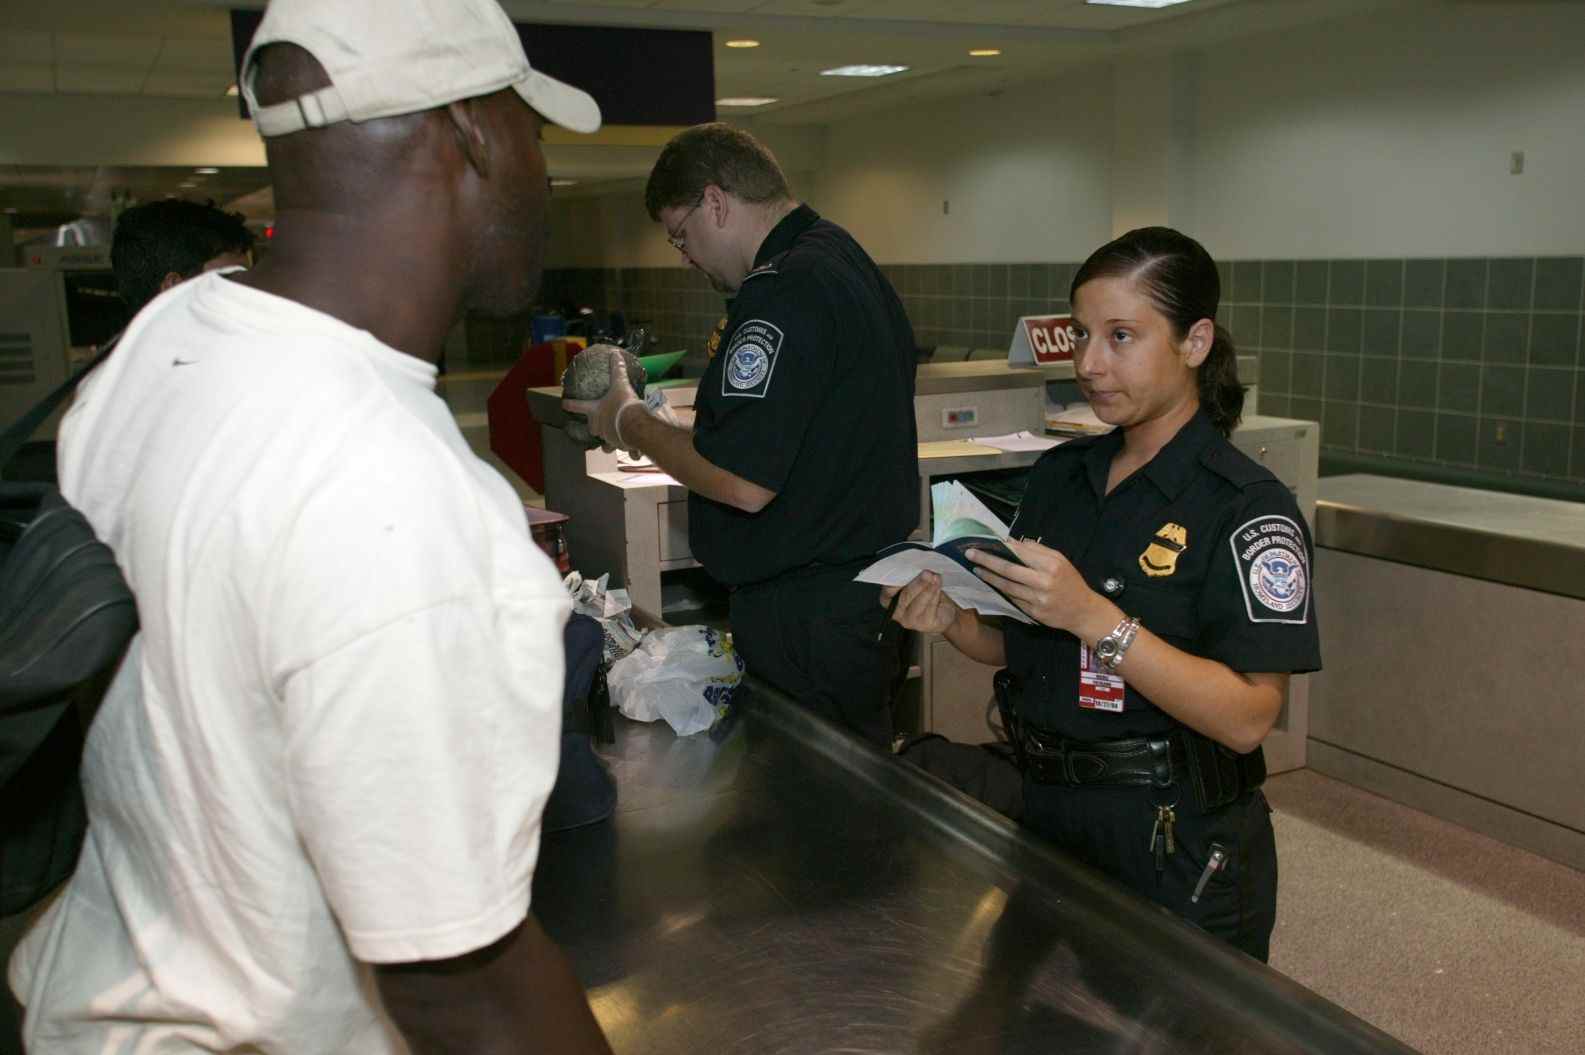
604 414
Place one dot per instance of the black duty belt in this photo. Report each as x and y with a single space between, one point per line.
1213 774
1136 762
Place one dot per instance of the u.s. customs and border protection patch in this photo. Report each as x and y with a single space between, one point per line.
751 359
1273 570
1161 556
712 344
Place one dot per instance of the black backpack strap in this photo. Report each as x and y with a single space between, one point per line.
14 437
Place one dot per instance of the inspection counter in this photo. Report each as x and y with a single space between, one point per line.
786 889
1453 631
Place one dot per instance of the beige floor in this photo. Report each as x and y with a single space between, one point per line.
1450 941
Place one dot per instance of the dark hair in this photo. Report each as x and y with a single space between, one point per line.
155 239
713 153
1180 279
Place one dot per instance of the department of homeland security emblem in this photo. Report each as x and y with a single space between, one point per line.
1273 570
1161 556
751 359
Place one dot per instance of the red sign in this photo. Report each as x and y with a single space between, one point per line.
1041 339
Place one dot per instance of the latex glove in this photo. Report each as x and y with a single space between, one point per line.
602 413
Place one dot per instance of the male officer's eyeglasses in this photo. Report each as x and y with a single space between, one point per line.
676 238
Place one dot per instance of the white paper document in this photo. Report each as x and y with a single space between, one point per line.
1018 441
965 588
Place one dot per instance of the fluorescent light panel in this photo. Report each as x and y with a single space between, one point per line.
1137 3
862 71
745 100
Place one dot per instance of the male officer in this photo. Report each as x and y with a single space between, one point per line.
162 243
803 457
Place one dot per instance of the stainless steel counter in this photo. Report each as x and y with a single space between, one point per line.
1517 540
787 890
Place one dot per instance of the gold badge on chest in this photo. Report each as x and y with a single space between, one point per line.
713 345
1161 556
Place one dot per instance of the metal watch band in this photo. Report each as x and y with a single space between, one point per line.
1109 650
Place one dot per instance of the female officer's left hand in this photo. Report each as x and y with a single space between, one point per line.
1047 586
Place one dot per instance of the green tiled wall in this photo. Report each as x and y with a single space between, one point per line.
1465 363
1468 363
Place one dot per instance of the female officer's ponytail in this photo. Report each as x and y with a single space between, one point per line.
1180 278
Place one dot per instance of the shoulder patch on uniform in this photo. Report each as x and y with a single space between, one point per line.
1273 568
751 359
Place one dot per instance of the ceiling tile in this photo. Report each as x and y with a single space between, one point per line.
99 80
178 84
26 47
102 50
186 53
18 77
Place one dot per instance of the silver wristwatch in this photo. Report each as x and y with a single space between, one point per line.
1109 650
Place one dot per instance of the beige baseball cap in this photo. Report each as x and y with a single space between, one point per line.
385 59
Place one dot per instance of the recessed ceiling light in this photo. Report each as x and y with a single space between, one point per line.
1137 3
563 183
984 53
745 100
862 71
187 185
742 43
232 90
207 170
11 209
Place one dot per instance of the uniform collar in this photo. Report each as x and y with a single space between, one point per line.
1170 470
784 234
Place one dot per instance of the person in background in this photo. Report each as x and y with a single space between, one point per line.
1169 579
802 461
162 243
315 786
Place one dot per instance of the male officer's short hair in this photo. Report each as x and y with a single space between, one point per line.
714 153
155 239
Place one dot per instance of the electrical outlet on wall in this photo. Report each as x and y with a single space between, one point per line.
959 417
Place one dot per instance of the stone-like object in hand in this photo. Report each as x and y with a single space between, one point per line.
588 376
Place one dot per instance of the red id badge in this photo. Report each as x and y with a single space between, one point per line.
1099 689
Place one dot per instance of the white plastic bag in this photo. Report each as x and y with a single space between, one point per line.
684 674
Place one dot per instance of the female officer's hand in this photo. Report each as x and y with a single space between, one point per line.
923 605
1047 586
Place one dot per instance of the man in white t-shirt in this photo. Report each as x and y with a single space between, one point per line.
314 788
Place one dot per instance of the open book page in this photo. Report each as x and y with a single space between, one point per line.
903 563
956 513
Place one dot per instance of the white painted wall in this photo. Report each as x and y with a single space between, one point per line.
614 230
1026 175
1390 136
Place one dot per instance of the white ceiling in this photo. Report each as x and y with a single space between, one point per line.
182 49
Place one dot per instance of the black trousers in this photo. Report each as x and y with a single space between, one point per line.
812 634
1109 828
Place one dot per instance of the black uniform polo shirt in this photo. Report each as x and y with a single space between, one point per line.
811 395
1204 545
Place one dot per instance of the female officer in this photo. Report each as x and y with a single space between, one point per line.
1169 579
